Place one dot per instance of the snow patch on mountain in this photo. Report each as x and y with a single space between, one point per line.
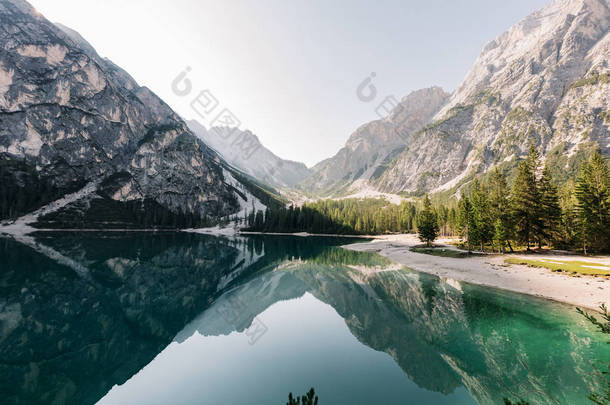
21 225
247 205
361 189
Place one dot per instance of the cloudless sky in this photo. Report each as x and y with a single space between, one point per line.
289 69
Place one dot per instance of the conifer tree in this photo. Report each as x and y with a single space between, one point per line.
427 223
259 221
568 229
593 196
499 203
308 399
464 220
538 229
483 227
550 212
443 219
524 203
500 237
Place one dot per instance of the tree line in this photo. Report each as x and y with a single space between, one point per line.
490 214
22 189
349 217
535 212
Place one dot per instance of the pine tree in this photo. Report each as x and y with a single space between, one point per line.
500 237
550 213
482 229
427 223
251 220
568 228
524 203
593 196
451 218
308 399
464 220
259 221
538 229
499 203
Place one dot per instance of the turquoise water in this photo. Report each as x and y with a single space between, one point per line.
175 318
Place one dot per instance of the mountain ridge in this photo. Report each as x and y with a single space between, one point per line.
255 160
70 117
375 144
544 81
520 91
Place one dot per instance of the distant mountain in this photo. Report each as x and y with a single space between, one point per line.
243 150
372 148
71 120
546 81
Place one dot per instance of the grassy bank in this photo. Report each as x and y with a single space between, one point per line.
568 266
442 252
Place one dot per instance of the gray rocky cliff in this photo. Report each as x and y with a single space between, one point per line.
545 81
69 118
373 146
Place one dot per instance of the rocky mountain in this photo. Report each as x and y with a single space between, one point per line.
373 147
71 120
243 150
545 81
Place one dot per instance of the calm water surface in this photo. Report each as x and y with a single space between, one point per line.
175 318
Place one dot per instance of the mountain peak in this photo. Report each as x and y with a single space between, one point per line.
545 81
24 7
244 150
71 118
78 40
551 36
374 145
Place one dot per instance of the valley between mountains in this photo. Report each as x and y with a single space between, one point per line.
442 255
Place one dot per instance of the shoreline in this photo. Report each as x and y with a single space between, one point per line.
485 270
20 229
307 234
490 271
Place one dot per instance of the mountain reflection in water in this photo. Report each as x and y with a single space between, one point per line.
138 300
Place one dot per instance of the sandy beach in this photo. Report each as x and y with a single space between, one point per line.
490 270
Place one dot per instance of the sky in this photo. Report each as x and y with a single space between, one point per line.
288 70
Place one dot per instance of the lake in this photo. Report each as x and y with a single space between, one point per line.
179 318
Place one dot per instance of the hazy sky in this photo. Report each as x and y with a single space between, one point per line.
289 69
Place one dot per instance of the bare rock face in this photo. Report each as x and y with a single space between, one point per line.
546 81
373 146
69 117
243 150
